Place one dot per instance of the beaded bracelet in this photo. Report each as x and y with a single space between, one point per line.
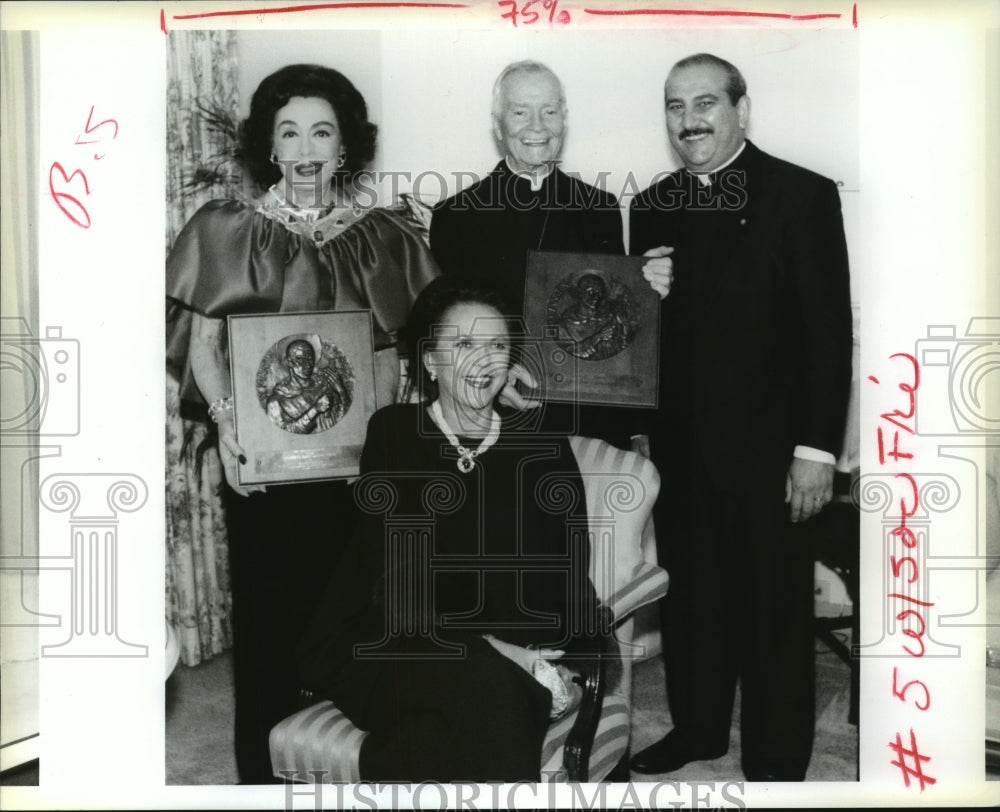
219 406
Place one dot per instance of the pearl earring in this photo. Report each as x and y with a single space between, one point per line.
342 161
433 376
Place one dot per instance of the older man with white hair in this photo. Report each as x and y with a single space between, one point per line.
527 202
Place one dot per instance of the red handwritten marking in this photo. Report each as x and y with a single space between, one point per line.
903 753
913 363
59 197
891 417
916 496
911 387
913 635
908 612
905 535
895 453
687 12
529 17
901 693
552 5
908 759
910 599
918 636
77 212
163 21
312 7
897 565
913 613
512 12
88 129
854 15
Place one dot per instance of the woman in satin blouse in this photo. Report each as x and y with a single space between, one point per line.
304 244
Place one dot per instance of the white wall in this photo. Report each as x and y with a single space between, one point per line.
430 92
437 94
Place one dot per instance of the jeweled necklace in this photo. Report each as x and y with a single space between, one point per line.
466 458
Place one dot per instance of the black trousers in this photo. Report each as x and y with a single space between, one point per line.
740 606
283 545
480 717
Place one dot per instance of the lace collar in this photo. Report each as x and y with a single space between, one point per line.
319 226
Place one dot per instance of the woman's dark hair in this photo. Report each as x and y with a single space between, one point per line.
428 311
307 81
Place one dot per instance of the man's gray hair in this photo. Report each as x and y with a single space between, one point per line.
524 66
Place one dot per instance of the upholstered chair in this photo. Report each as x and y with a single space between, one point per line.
319 743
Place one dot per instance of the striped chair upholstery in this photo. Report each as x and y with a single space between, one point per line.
319 743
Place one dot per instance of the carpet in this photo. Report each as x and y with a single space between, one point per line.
199 724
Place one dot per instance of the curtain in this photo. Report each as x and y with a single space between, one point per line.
202 90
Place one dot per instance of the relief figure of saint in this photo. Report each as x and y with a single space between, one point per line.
594 322
310 398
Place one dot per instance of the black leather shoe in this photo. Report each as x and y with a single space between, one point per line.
766 776
670 753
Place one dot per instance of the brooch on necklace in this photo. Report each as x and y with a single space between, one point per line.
466 457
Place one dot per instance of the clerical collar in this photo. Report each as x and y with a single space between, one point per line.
705 178
536 179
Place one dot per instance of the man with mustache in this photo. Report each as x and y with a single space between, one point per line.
526 203
755 371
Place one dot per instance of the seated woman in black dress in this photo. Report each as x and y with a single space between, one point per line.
468 575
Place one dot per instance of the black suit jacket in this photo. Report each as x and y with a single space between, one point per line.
756 331
484 232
